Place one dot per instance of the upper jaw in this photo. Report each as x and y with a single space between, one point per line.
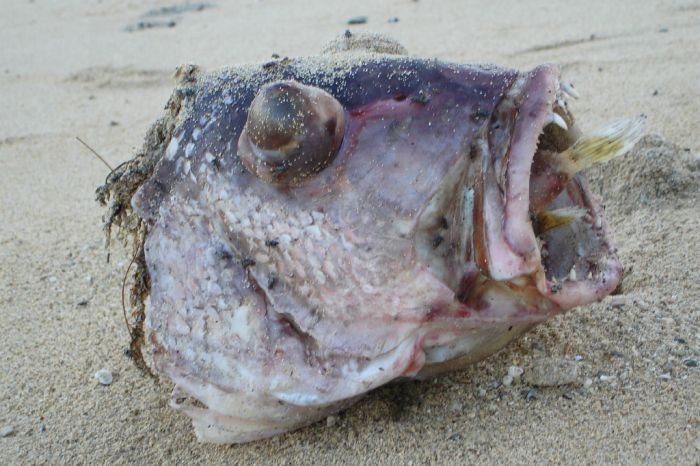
504 241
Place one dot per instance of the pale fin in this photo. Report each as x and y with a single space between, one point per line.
604 144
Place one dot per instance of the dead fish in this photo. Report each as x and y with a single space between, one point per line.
311 229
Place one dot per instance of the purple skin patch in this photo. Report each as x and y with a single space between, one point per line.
370 220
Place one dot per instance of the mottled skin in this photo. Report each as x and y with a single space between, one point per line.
411 253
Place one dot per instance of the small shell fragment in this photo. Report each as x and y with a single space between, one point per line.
103 376
618 300
515 372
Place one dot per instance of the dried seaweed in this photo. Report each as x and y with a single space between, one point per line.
116 193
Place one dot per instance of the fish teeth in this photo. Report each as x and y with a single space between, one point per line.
598 223
555 118
569 90
572 275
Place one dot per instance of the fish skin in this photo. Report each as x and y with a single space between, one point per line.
362 294
364 82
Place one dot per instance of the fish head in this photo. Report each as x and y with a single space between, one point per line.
320 227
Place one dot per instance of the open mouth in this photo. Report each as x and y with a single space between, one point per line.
552 228
578 259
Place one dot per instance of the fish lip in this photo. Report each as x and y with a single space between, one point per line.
506 239
505 242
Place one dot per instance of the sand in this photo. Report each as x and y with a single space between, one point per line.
74 69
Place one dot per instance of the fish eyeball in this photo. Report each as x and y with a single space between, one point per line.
292 132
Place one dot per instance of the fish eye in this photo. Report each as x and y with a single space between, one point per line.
293 131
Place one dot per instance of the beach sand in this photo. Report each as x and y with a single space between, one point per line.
90 69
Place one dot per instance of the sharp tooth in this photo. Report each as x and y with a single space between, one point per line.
612 141
554 117
572 275
568 89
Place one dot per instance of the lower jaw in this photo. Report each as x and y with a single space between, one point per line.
578 258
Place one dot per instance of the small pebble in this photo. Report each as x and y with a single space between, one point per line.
578 357
618 300
357 20
697 443
606 377
507 380
515 372
481 393
331 421
103 376
587 383
665 376
88 279
393 19
690 362
551 372
456 407
6 431
531 394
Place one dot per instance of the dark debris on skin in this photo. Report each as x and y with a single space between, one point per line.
272 281
443 223
222 254
247 262
421 98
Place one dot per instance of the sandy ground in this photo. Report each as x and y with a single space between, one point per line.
72 68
